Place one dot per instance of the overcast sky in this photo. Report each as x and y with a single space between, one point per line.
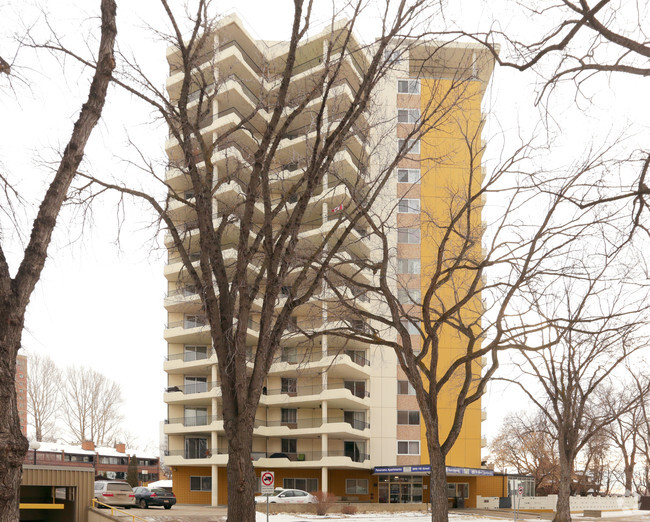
100 300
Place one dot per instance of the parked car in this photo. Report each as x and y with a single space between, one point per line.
114 493
288 496
145 497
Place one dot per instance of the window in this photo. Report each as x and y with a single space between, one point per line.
409 417
408 115
408 295
408 266
409 146
196 384
457 490
289 355
196 448
358 388
408 175
355 450
410 236
408 86
356 419
356 486
289 445
195 353
196 417
200 483
408 447
306 484
289 416
410 327
408 206
405 388
289 385
194 321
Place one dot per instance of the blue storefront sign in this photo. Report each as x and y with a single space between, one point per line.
451 470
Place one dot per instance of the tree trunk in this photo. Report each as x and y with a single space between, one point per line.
629 473
13 445
241 475
438 485
563 511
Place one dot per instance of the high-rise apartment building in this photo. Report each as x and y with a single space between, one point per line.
21 391
341 417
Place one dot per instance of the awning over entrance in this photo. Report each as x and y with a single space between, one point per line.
426 469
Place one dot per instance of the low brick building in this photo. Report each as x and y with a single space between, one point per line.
109 463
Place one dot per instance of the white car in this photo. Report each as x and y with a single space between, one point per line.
287 496
114 493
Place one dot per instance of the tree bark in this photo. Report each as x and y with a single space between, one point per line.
241 475
13 445
15 293
563 509
438 485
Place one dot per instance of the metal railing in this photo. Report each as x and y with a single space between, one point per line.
314 422
200 420
189 356
122 513
304 390
188 389
203 322
292 456
189 454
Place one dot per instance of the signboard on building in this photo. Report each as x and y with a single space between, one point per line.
451 470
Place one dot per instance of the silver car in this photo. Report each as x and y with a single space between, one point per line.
287 496
114 493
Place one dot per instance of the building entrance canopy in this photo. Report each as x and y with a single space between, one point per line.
425 470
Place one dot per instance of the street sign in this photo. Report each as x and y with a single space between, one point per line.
268 482
520 491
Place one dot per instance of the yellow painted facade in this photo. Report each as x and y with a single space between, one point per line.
445 163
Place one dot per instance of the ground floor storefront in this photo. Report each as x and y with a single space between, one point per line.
391 485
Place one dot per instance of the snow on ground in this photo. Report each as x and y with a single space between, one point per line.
417 517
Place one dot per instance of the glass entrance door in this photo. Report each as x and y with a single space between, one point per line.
400 489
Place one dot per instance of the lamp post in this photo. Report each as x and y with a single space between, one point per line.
34 445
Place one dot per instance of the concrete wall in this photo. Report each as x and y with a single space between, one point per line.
577 503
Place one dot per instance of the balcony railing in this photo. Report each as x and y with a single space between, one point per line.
200 420
302 456
256 455
188 356
188 389
314 422
200 321
189 454
314 389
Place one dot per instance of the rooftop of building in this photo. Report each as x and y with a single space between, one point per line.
102 451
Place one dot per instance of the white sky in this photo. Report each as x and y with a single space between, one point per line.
101 305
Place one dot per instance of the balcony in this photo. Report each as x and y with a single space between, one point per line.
335 425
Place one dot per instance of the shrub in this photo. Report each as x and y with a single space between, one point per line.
349 509
325 501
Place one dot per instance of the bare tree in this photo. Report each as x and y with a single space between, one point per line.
570 374
578 41
481 282
525 443
251 247
92 406
15 291
625 431
43 396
